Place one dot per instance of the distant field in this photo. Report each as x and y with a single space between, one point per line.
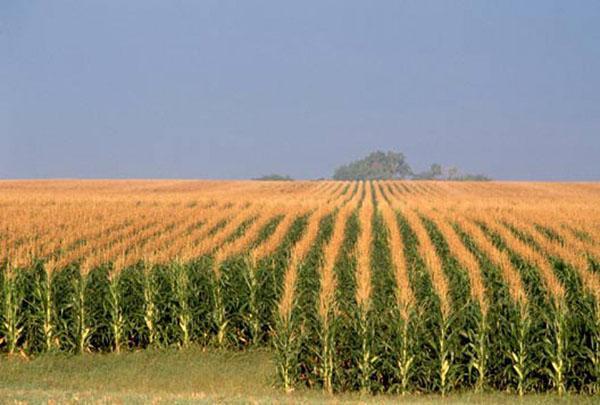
378 287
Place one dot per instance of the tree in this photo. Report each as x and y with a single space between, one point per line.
274 177
453 173
376 166
434 172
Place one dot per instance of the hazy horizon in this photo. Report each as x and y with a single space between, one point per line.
220 89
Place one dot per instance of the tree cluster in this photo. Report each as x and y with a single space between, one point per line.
393 165
274 177
377 165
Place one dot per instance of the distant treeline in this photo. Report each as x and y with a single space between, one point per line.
386 166
393 165
274 177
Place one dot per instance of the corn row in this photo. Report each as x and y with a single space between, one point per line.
498 257
467 260
549 279
431 259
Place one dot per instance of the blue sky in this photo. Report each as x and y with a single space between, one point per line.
236 89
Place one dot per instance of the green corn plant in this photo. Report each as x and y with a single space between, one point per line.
366 363
167 303
593 353
326 354
556 347
132 306
219 315
115 310
406 359
287 345
12 324
521 363
150 315
252 313
46 309
478 345
200 299
82 330
184 316
445 355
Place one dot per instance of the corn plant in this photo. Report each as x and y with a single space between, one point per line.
45 310
521 361
115 309
405 359
74 323
366 357
286 343
12 324
593 352
150 293
200 299
478 346
326 352
251 312
219 314
82 330
3 308
555 347
445 354
166 323
182 308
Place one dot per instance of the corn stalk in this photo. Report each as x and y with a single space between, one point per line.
115 310
593 353
327 354
445 355
479 351
406 358
521 364
287 346
366 363
556 347
12 322
46 311
219 314
252 314
184 316
82 330
150 313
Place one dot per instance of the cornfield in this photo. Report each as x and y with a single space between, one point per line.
385 286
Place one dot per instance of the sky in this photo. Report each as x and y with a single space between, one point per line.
238 89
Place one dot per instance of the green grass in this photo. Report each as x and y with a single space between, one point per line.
185 376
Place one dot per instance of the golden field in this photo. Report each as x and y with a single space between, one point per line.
161 220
